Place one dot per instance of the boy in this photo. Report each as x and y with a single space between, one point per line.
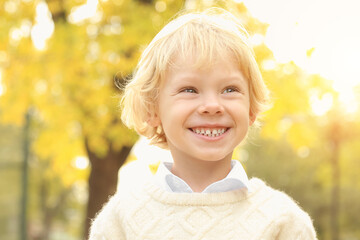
196 91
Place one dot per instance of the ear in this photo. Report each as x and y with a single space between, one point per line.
154 120
252 118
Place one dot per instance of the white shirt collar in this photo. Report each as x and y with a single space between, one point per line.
236 179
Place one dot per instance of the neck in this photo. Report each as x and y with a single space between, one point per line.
200 174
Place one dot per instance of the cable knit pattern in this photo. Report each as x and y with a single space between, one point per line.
149 213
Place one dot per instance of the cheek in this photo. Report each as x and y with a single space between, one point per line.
174 117
172 108
239 112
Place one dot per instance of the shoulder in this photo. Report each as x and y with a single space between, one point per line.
108 223
272 200
283 213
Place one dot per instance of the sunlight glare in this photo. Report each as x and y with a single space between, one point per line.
257 39
149 153
83 12
320 106
160 6
43 28
303 152
146 155
10 6
348 100
81 162
133 174
1 86
268 64
332 33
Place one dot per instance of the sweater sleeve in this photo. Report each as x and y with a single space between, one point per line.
106 225
294 225
286 218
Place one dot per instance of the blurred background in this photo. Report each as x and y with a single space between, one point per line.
62 142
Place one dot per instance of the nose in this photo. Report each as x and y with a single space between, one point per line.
211 105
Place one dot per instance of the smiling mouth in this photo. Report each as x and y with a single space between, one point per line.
209 132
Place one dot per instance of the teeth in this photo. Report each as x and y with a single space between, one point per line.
209 132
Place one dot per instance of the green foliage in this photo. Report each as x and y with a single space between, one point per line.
10 184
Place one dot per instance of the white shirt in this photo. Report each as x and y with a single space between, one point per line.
236 179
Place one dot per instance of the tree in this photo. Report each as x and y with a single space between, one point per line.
10 184
70 86
70 82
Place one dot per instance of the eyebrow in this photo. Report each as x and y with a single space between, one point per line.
191 80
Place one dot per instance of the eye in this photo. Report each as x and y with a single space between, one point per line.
188 90
231 89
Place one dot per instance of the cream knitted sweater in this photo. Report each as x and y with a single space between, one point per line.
149 213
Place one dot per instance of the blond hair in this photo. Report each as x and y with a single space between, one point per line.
206 35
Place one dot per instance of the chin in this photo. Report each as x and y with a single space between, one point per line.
212 158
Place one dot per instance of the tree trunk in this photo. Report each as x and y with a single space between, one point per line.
334 218
336 135
103 179
50 211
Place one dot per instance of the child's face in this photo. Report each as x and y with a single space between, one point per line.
205 113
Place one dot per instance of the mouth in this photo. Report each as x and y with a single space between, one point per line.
209 132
